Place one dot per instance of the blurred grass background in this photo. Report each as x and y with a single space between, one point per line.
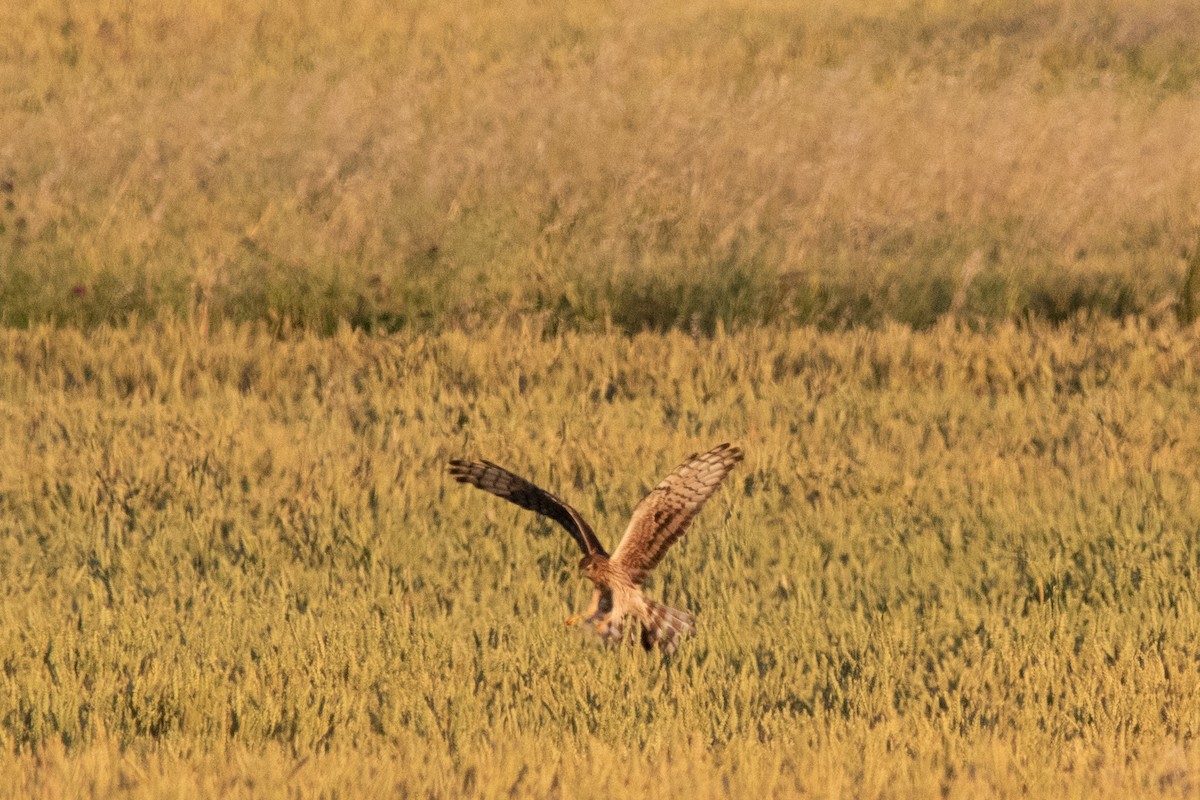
636 164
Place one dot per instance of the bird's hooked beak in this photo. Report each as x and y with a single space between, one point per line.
574 619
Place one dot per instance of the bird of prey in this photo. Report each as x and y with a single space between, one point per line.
660 519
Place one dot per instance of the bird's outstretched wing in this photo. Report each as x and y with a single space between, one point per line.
664 514
515 489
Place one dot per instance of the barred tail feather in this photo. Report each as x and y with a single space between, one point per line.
665 626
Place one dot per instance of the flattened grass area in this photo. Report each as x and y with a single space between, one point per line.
953 563
633 163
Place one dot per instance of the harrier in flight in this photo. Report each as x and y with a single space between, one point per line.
660 519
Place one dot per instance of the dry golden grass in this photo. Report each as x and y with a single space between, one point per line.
400 165
952 562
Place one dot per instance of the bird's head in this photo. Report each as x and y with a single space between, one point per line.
589 565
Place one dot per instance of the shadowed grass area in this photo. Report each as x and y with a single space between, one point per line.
639 165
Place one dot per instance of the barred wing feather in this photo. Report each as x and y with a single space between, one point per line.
515 489
663 516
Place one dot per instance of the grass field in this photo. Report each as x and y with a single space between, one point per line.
952 562
416 165
266 266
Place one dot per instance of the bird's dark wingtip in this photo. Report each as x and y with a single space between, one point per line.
734 451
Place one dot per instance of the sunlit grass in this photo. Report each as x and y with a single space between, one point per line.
951 562
959 560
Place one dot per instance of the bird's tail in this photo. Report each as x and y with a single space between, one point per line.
665 626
